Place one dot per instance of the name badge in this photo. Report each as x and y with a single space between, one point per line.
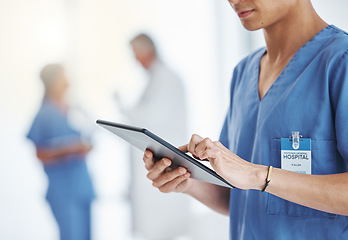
296 155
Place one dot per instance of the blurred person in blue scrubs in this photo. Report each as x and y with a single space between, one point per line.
62 151
286 188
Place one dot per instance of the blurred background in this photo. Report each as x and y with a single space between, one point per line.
201 41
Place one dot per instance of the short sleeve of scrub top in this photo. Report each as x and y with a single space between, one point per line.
309 96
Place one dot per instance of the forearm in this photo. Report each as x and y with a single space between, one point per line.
323 192
213 196
49 155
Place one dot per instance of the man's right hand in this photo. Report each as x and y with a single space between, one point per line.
164 178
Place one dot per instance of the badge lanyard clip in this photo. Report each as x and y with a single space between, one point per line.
296 140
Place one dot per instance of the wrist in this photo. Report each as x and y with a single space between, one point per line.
190 189
258 177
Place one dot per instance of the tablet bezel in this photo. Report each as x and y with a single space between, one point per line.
165 144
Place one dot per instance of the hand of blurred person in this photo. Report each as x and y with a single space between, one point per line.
82 148
163 177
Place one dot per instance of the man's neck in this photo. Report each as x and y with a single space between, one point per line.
150 61
284 38
58 99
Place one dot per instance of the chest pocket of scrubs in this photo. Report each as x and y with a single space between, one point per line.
324 161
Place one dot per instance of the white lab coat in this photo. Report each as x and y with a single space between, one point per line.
162 110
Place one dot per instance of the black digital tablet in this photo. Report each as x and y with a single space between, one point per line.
144 139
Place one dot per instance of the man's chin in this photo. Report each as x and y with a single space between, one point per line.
252 27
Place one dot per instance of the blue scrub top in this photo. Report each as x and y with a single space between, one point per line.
68 178
309 96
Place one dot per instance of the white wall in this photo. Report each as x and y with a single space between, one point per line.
333 12
27 41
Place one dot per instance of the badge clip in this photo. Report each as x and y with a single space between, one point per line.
296 140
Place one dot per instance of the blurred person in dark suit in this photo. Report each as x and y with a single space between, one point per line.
62 151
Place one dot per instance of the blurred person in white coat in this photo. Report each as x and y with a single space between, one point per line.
161 109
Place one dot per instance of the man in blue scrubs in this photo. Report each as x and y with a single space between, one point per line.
286 188
63 154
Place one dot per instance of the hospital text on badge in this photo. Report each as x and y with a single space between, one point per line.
296 160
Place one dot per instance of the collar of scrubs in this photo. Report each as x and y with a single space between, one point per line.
290 74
